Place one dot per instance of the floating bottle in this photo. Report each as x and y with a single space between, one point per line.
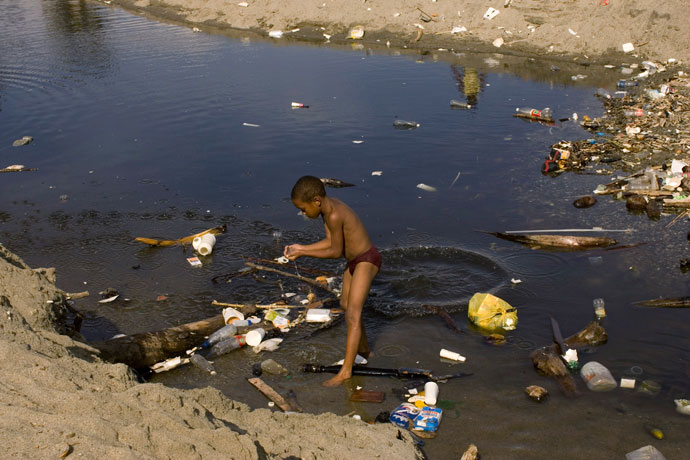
545 113
455 104
598 377
404 124
599 310
202 363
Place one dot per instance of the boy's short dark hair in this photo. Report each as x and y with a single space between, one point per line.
308 187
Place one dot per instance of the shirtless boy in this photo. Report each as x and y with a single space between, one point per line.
345 236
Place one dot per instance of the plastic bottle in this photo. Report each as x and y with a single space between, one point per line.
404 124
534 113
598 377
455 104
271 367
202 363
221 334
626 83
645 453
634 113
242 323
599 309
601 92
226 346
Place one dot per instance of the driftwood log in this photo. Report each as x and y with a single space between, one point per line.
548 362
148 348
568 242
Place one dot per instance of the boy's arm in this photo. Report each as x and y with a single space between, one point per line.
329 248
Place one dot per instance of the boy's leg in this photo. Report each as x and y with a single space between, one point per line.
356 293
363 348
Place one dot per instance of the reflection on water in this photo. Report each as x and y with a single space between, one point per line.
173 158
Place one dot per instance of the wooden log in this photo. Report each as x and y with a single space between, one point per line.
270 393
547 361
677 302
311 281
145 349
558 241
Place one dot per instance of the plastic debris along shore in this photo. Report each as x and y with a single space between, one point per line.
356 33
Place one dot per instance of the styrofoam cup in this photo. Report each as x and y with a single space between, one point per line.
206 243
452 355
255 336
230 315
430 393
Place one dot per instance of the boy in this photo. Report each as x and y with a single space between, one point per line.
345 236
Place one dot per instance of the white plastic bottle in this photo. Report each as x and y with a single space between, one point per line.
598 377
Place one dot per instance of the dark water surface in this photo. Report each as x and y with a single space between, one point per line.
139 131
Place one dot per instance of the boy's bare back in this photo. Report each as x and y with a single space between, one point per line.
342 218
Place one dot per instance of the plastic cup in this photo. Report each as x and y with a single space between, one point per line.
230 315
255 336
430 393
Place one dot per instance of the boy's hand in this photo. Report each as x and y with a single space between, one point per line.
292 251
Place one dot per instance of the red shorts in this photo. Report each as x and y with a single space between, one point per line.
371 255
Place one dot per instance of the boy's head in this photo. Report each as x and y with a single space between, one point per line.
308 194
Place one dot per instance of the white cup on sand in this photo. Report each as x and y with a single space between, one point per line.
255 336
430 393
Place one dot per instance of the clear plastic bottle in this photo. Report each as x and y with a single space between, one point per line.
226 346
645 453
535 113
599 310
221 334
271 367
598 377
202 363
455 104
404 124
601 92
634 113
244 323
626 83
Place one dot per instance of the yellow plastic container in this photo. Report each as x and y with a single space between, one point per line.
490 312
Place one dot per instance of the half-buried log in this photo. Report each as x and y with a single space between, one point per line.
548 362
558 241
677 302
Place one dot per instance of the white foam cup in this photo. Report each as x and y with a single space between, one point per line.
195 243
230 315
206 244
255 336
430 393
447 354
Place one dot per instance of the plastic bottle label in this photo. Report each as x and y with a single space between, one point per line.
535 113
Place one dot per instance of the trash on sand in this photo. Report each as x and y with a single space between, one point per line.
298 105
23 141
447 354
498 42
645 453
682 406
356 33
243 4
202 363
272 367
627 47
491 13
169 364
367 396
359 360
627 383
270 393
404 124
196 29
427 188
318 315
403 415
183 241
194 261
428 419
536 393
268 345
275 33
430 393
458 30
455 104
335 183
597 377
490 312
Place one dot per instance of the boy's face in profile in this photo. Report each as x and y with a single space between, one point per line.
311 209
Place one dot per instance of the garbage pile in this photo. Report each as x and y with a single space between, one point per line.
646 125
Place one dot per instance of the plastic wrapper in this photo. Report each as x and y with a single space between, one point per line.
428 419
490 312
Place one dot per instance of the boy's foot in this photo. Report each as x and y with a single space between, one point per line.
335 381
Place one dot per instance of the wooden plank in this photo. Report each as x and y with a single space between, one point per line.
367 396
270 393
